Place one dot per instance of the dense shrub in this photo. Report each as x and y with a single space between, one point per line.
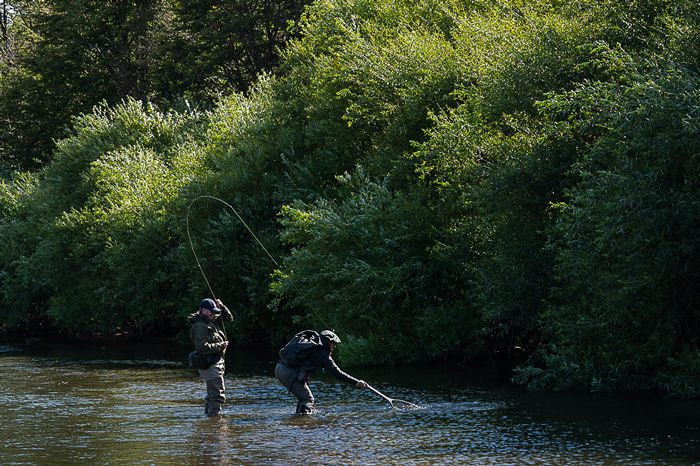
624 306
428 178
365 265
91 247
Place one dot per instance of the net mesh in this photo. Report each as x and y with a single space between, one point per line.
403 405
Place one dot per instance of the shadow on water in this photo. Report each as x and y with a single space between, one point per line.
131 405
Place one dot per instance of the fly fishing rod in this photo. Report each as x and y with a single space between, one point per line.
239 218
396 404
199 265
247 228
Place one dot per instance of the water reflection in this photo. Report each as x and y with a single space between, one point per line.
107 406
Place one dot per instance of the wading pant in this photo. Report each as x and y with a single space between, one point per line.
216 391
299 388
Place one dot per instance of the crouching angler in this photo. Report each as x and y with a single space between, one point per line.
209 337
306 352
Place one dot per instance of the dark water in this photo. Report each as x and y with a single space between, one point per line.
124 405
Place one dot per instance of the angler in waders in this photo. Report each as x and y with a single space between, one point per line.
209 338
295 374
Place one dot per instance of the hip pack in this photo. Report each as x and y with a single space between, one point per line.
202 361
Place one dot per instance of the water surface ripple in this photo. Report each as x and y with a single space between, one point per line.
107 406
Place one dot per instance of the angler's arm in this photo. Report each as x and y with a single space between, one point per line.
226 315
330 365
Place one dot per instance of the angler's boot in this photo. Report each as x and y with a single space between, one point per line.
213 410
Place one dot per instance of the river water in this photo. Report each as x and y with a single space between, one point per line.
123 405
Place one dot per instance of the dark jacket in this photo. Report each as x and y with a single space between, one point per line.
322 358
208 336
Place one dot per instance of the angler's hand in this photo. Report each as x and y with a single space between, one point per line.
361 384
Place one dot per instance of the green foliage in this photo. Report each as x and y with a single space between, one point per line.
366 74
516 52
66 56
626 241
96 234
217 46
364 267
446 178
497 184
16 235
495 165
85 52
360 85
249 143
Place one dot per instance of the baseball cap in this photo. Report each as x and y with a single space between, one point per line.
209 304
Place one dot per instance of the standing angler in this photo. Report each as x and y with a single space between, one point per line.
210 341
303 354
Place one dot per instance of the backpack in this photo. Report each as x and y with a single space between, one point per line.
300 348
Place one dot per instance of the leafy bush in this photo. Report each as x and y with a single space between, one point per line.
95 235
446 178
626 240
496 164
365 267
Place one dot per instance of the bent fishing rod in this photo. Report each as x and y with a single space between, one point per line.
189 236
247 228
239 218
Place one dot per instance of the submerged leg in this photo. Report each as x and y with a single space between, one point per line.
290 379
306 399
216 390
